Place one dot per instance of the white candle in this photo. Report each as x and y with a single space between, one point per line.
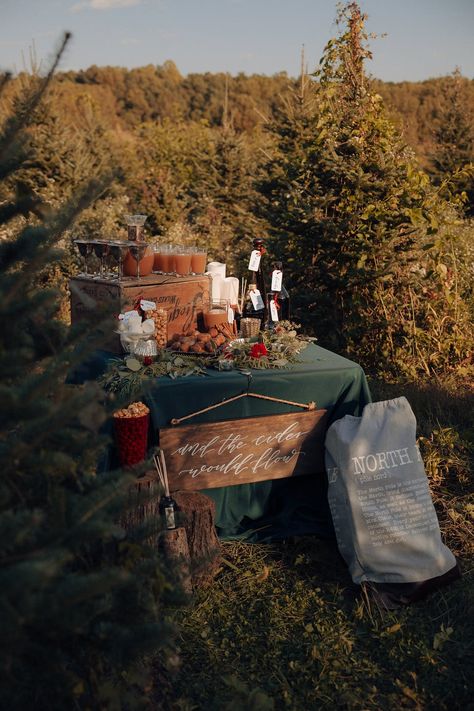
217 268
216 286
230 290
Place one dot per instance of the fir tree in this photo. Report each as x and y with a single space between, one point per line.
66 149
81 603
222 196
350 212
453 157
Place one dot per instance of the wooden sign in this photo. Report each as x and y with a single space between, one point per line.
244 451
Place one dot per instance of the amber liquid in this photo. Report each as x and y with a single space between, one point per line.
215 317
158 262
198 262
182 264
167 263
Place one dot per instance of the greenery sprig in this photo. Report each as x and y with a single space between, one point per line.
126 376
274 349
278 348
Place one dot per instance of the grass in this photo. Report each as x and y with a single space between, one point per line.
283 627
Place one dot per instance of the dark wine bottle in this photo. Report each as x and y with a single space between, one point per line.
278 299
258 244
249 310
256 283
168 509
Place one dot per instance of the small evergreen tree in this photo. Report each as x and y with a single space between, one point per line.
159 167
66 149
453 157
80 603
351 214
222 196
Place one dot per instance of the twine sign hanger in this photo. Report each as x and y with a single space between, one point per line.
226 401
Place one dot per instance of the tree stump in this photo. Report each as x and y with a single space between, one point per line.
143 507
197 515
174 545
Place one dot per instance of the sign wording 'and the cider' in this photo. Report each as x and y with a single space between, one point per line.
242 451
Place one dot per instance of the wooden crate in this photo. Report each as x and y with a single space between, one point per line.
185 299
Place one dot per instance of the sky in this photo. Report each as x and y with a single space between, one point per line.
423 38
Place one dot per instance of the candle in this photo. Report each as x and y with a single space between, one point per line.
216 286
216 268
230 290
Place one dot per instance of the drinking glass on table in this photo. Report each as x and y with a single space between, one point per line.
218 313
118 252
182 260
167 259
137 250
198 260
101 250
97 263
85 248
157 262
135 227
161 260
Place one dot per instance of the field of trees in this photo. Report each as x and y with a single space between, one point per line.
365 191
218 160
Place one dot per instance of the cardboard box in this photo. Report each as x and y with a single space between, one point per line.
185 299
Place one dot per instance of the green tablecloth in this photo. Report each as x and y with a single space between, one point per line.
270 509
276 508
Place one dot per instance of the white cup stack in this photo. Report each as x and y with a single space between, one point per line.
230 290
217 271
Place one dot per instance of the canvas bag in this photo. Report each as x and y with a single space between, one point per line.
385 522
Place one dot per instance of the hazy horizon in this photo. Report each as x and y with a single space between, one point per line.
424 39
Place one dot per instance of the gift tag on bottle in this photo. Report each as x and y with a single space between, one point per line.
277 276
230 315
147 305
257 301
254 262
273 311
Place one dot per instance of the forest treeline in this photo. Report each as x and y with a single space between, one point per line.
151 93
125 98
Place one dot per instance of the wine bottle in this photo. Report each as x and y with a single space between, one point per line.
278 299
168 509
253 306
256 284
258 244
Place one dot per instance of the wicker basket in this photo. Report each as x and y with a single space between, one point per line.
250 327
